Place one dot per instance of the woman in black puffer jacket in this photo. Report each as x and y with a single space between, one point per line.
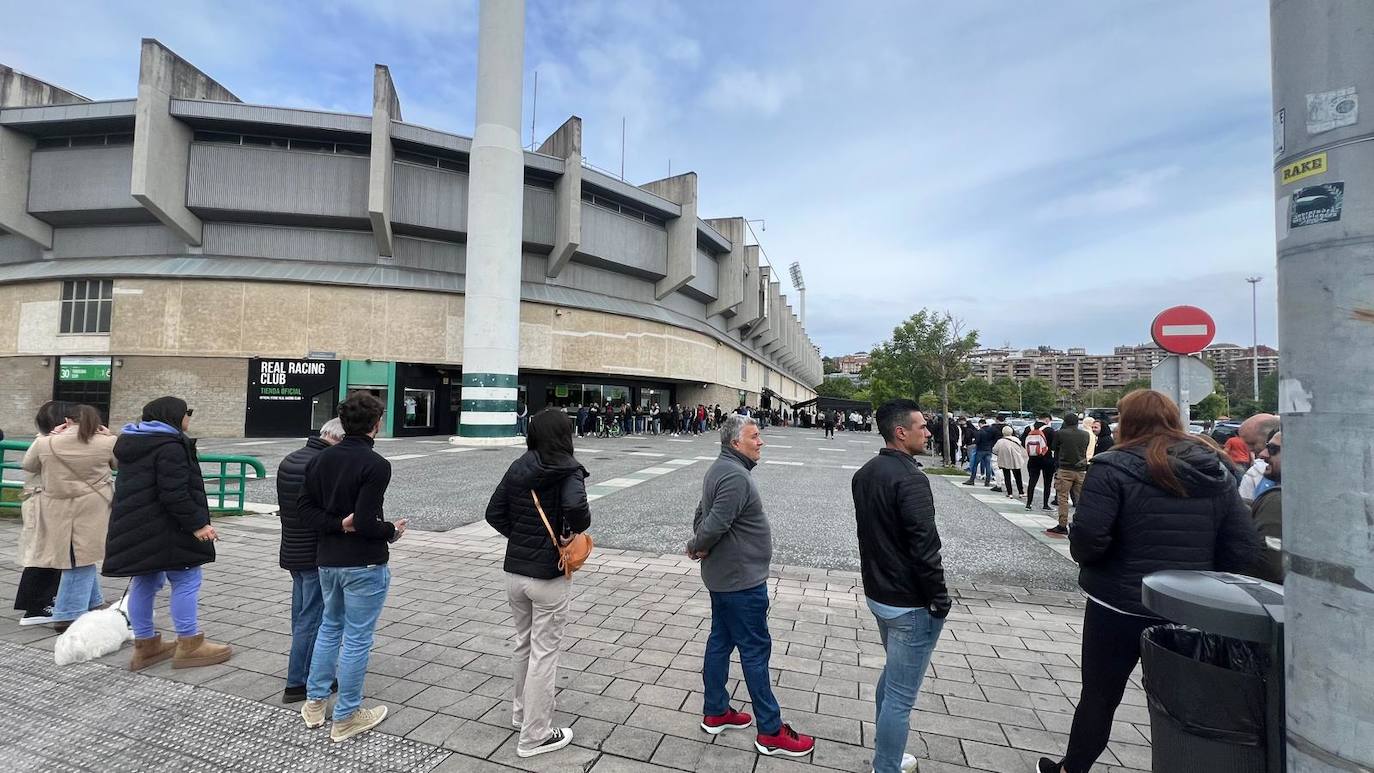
537 588
160 532
1161 499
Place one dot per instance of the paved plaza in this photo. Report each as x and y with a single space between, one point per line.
1000 690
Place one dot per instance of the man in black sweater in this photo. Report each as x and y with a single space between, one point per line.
903 576
342 499
299 544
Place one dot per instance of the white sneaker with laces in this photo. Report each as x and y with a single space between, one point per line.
562 736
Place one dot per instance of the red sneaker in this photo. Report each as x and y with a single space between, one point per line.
722 722
786 741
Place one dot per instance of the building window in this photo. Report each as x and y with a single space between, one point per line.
281 143
86 305
85 141
744 367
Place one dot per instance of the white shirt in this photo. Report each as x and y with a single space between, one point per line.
1252 478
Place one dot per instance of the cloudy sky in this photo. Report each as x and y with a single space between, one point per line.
1054 173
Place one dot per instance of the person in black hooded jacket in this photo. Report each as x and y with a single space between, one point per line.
536 586
1161 499
299 544
160 532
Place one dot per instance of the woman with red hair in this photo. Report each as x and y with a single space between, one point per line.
1160 499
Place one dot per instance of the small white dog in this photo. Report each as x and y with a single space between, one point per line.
94 634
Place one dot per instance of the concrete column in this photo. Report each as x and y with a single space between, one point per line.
751 307
682 231
566 143
16 152
162 144
491 320
730 275
762 325
1323 69
386 107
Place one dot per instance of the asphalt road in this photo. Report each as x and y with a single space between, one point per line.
655 483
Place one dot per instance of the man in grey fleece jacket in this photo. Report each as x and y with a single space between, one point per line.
732 539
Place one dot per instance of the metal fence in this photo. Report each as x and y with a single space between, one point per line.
226 476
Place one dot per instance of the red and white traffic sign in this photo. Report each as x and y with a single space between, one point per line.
1183 329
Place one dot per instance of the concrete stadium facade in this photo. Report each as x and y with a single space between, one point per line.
262 261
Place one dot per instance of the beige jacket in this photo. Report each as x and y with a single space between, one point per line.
73 501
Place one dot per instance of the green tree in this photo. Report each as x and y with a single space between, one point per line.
1006 395
1211 407
1269 393
927 352
1038 395
837 387
830 365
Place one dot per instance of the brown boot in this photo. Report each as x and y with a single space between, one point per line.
149 651
193 651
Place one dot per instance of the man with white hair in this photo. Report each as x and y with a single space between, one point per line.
298 544
1256 431
732 539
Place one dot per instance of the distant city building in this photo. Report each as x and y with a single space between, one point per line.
1076 371
853 363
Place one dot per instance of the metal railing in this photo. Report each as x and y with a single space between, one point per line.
226 481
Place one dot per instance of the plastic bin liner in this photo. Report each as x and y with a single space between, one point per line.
1206 695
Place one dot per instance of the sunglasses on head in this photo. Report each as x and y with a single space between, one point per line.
1273 448
190 411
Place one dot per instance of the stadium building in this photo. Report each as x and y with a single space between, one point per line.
262 261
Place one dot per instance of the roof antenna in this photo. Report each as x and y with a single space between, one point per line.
534 109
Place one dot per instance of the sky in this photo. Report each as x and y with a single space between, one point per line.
1051 173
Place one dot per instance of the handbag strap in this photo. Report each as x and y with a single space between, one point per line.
545 519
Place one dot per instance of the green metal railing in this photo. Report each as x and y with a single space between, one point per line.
226 481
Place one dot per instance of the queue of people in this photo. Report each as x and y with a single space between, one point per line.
1156 498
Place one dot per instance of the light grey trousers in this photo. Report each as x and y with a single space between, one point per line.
540 609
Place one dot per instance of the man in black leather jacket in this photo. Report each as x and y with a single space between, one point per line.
297 556
904 580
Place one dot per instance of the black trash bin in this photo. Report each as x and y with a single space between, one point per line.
1206 698
1214 684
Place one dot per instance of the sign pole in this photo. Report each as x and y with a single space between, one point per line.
1185 412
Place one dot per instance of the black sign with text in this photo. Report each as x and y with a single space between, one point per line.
290 397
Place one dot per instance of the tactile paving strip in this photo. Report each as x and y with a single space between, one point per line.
92 717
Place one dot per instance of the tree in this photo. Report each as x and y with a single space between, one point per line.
1269 393
1212 407
929 351
830 365
972 395
837 387
1006 395
1038 396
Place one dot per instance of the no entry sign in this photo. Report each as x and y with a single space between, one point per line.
1183 329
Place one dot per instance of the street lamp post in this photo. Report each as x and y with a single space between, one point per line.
1254 335
797 282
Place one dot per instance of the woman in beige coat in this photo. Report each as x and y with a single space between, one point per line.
1011 460
37 584
74 464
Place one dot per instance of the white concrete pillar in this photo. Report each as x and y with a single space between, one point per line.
491 319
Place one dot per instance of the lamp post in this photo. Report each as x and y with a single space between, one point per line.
1254 333
795 270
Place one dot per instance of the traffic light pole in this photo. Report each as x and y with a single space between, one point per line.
1323 63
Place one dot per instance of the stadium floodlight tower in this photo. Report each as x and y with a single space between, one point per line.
795 271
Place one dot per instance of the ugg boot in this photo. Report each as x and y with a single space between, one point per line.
193 651
149 651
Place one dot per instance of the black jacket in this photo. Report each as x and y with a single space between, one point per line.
347 478
1046 460
159 502
298 542
988 437
562 492
899 546
1127 526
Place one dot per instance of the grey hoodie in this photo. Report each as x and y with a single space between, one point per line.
730 527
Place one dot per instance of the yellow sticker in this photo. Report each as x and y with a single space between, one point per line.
1304 167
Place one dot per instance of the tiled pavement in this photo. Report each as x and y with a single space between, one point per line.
1000 690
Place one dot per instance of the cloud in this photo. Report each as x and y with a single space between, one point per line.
765 93
1134 190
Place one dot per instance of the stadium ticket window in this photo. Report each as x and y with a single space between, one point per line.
84 380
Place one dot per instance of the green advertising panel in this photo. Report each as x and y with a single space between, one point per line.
83 369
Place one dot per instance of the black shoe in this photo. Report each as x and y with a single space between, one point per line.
1028 507
293 694
1057 531
997 489
968 483
1047 765
1047 508
61 626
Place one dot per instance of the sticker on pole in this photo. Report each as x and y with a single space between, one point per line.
1183 330
1316 204
1332 109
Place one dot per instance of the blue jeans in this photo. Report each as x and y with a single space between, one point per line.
739 619
353 599
143 590
77 593
981 461
307 605
909 640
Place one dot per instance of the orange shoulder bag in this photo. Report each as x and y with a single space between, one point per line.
573 551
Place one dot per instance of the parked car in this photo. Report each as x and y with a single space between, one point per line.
1223 431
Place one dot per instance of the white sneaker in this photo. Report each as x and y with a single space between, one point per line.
561 737
313 712
910 765
360 721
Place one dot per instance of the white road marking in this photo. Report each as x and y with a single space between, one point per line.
836 450
400 457
849 467
657 470
454 450
259 443
440 442
619 482
675 440
707 458
685 462
775 445
644 453
790 464
607 487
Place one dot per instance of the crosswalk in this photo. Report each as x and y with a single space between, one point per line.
1033 522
